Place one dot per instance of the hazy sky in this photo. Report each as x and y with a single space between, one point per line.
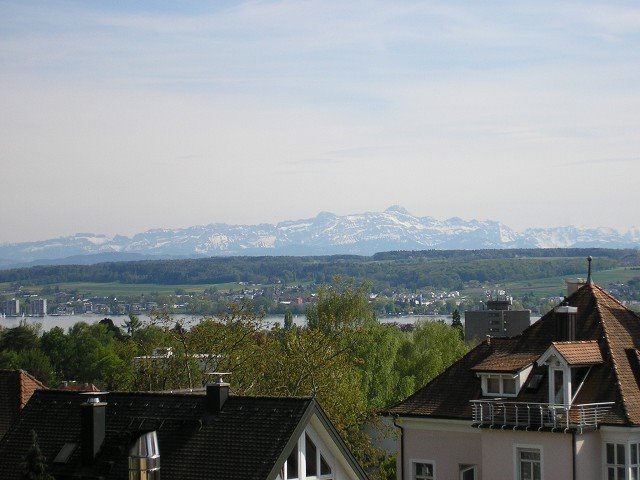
117 118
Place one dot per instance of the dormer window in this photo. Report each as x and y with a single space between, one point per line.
503 384
569 364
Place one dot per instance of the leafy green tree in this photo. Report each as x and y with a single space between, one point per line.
288 320
432 348
35 467
457 324
58 347
132 325
22 337
339 306
37 364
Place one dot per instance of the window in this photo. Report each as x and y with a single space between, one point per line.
310 455
558 387
529 464
292 463
493 385
500 384
634 461
316 465
616 461
467 472
423 471
509 386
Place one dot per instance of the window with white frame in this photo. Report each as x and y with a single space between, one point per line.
423 471
292 464
468 472
316 465
616 461
529 463
634 461
499 384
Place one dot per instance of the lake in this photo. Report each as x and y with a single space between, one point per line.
67 321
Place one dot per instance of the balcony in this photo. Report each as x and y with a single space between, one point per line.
498 413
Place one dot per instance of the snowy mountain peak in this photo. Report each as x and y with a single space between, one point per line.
397 209
327 233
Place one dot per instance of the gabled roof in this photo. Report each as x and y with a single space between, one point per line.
576 353
601 320
249 438
16 388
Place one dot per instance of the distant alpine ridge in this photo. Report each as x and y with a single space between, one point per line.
326 234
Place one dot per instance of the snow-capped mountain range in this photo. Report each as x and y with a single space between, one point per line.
362 234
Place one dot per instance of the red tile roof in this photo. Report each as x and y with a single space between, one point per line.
601 320
579 352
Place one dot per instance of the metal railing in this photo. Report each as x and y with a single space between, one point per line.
498 413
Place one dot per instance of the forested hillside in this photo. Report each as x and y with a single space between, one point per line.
416 269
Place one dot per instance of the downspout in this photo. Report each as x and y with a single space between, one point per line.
402 447
573 450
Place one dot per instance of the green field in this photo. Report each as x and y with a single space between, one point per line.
555 286
126 289
542 287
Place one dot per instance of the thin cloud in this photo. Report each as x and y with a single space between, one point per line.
599 161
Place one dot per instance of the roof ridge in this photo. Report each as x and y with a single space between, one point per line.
611 297
613 360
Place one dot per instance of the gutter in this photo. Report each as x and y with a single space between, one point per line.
401 477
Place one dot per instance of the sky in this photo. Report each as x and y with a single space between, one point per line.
118 117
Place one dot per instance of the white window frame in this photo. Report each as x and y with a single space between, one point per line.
517 448
484 377
320 452
468 468
634 464
413 461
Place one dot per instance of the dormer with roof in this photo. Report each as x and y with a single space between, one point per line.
560 400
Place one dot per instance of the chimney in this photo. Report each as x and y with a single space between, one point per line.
144 458
217 394
565 322
92 426
574 285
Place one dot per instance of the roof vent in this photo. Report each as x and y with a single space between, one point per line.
144 458
589 281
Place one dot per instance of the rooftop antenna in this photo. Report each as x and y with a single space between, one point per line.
589 281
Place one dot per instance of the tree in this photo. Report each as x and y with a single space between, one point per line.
22 337
132 325
288 320
34 463
457 324
341 305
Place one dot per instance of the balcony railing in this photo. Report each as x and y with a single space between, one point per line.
498 413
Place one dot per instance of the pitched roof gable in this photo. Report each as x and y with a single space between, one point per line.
16 388
574 353
602 321
243 441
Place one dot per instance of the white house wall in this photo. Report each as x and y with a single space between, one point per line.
449 444
447 449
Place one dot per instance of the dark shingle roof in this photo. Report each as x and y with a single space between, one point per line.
244 441
601 320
